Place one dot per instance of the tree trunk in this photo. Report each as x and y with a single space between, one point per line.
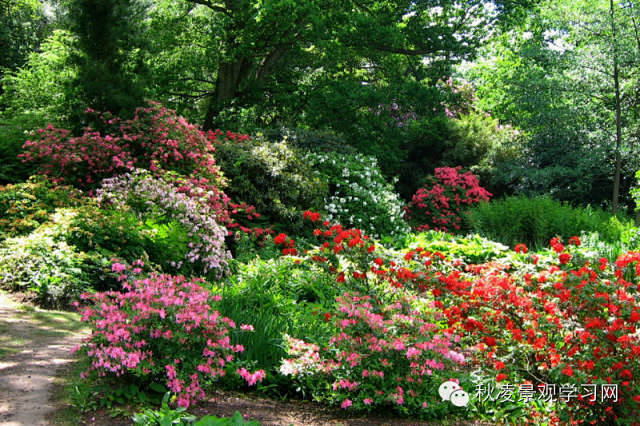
616 81
227 83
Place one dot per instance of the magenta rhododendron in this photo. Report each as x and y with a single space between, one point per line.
439 205
155 138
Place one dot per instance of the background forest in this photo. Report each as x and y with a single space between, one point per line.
535 97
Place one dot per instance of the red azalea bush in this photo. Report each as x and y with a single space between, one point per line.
440 203
382 354
161 328
556 317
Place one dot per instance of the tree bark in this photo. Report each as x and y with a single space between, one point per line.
616 81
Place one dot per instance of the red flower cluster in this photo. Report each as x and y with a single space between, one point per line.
289 243
440 203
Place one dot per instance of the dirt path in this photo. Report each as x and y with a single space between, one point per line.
34 345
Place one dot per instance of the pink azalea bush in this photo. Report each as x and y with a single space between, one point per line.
440 203
149 195
155 138
161 328
382 354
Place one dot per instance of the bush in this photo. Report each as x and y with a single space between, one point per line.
359 194
24 206
162 329
441 202
381 355
470 249
484 147
273 177
43 263
278 296
157 200
109 233
156 138
534 221
310 140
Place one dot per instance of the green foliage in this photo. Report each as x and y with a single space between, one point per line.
22 26
24 206
277 296
44 85
39 93
119 234
482 145
110 66
534 221
273 177
471 249
235 420
359 194
309 140
165 416
43 263
248 247
14 131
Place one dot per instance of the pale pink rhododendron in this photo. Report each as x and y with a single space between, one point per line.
151 196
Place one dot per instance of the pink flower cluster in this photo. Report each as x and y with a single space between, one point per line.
155 138
380 353
161 327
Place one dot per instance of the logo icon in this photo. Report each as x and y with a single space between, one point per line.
451 391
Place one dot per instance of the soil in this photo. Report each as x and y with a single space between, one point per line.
32 351
271 412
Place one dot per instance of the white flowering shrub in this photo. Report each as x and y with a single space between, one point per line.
359 195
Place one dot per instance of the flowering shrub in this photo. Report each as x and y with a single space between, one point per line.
154 139
380 355
161 328
359 195
556 318
24 206
272 177
153 197
439 204
559 316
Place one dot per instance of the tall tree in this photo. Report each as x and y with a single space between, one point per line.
23 25
583 57
263 46
110 69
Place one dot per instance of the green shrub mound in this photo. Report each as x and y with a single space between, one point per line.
534 221
24 206
273 177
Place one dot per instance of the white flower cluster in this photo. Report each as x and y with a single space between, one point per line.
360 196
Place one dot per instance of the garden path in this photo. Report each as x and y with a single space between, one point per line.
34 345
